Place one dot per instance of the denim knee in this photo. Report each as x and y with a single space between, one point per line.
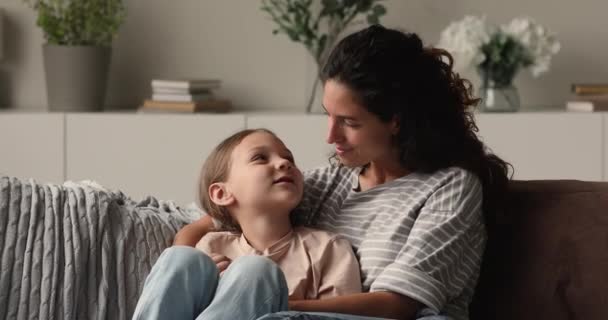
250 287
180 285
256 270
285 315
258 265
184 258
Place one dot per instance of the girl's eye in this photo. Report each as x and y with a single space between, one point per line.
258 156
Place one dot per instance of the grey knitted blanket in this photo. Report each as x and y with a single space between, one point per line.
76 250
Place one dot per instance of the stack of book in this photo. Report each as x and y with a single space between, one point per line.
588 98
185 96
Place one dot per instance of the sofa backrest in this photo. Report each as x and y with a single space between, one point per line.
547 258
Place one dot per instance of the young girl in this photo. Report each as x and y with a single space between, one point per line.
249 184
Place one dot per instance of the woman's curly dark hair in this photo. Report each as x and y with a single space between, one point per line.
394 75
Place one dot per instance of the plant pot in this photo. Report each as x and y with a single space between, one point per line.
76 77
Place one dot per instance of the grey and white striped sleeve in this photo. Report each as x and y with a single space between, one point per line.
317 185
443 251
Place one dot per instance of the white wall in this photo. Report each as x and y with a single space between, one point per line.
232 40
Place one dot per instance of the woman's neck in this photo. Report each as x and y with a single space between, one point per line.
376 173
262 231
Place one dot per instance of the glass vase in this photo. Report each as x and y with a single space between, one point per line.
315 99
499 98
497 92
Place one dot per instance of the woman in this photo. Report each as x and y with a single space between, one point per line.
411 183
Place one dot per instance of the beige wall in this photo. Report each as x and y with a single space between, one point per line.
232 40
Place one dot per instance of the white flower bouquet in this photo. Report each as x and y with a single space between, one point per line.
499 52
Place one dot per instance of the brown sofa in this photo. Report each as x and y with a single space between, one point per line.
547 258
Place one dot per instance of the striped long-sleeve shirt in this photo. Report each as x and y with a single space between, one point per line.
421 235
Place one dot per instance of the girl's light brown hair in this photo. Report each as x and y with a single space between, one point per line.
216 169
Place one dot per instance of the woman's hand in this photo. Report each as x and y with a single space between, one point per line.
192 233
222 262
394 306
294 305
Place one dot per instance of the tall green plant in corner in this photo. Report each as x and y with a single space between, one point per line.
78 47
318 24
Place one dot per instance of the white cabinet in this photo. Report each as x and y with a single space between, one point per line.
145 154
547 145
31 146
161 154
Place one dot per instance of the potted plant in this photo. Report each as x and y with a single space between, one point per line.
318 24
77 52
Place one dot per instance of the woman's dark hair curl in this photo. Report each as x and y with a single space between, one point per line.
394 76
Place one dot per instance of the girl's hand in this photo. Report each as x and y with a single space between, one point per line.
222 262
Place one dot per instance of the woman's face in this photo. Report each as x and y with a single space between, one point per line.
358 135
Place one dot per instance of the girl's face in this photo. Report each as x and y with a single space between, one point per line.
263 175
358 135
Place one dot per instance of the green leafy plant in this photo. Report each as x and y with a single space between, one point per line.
79 22
318 24
505 55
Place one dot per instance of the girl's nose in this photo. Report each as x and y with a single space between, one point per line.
285 164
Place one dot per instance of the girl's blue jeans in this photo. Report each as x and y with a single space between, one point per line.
184 284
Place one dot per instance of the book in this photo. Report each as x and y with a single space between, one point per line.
182 97
589 103
589 88
180 90
186 84
211 105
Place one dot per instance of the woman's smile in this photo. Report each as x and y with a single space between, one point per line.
342 150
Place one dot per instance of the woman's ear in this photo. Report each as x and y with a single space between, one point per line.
220 195
395 125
